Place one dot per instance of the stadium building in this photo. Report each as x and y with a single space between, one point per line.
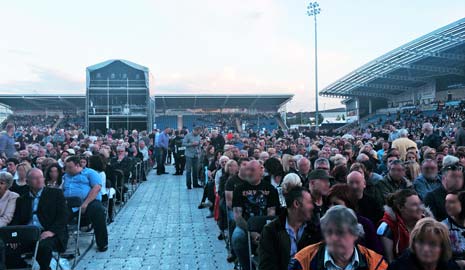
119 94
427 73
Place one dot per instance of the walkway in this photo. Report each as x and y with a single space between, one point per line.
161 228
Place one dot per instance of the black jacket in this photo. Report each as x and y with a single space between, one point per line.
433 140
436 201
52 213
408 261
275 246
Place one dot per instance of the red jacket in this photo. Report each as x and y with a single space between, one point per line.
401 235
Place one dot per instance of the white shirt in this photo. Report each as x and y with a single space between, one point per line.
103 178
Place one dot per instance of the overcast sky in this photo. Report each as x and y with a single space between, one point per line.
207 46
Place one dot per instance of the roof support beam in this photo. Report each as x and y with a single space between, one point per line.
450 38
445 70
253 102
379 86
225 101
426 53
391 77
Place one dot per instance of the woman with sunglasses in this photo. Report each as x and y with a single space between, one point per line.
455 222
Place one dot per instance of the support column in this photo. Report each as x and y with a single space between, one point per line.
369 106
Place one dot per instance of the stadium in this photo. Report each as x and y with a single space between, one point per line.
119 95
426 73
124 177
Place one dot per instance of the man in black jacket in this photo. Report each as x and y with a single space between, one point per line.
430 138
45 208
452 181
282 238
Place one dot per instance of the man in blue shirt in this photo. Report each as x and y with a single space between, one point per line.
85 183
162 146
7 142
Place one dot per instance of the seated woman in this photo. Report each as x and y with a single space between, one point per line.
20 185
429 248
7 199
403 210
53 176
455 223
341 194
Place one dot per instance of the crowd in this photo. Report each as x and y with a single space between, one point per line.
390 200
41 170
389 197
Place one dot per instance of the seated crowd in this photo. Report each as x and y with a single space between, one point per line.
337 202
38 177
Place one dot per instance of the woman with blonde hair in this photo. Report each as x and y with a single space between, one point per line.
20 185
429 248
412 170
289 164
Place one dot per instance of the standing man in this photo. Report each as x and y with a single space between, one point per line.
403 143
179 152
192 144
162 145
7 142
460 135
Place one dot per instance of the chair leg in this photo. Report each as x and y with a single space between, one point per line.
249 242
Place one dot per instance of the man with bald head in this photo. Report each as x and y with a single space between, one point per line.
367 206
252 198
45 208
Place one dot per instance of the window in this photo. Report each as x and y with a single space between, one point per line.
125 76
98 75
112 75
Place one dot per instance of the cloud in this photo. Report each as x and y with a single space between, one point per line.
44 80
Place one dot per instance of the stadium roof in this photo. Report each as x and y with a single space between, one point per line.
41 102
440 53
264 102
111 61
162 102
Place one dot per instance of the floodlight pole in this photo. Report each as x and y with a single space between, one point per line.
313 9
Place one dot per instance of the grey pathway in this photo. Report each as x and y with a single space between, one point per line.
161 228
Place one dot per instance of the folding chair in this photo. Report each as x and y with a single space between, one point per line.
22 234
255 224
74 231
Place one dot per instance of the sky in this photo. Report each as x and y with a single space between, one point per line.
207 46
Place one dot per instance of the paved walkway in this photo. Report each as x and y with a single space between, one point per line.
161 228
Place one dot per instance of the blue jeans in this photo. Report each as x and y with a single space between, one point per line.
192 174
241 247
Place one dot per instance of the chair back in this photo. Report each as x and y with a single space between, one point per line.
74 202
20 234
256 224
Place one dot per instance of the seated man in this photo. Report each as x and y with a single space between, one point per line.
292 231
339 249
250 199
45 208
85 183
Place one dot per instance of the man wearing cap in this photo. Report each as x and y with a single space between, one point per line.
318 185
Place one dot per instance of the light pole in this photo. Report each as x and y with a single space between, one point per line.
313 9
